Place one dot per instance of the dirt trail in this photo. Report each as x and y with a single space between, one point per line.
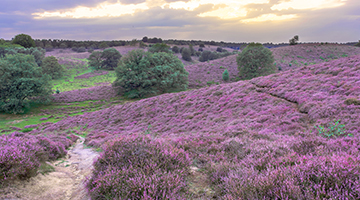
65 183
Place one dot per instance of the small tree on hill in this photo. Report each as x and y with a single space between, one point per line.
358 44
95 60
186 54
51 66
24 40
192 50
140 74
103 45
22 82
225 75
175 49
255 60
110 58
294 40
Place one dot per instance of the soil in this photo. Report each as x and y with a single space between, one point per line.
65 183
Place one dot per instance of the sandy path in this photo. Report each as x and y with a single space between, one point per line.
65 183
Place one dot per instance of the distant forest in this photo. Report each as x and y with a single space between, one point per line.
50 44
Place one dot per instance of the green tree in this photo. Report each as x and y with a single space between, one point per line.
24 40
192 50
294 40
140 74
22 82
225 75
175 49
51 66
38 53
159 47
95 60
110 58
255 60
186 54
358 44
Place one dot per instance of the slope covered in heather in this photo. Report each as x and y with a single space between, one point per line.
287 58
250 138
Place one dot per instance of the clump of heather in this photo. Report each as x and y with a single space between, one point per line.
291 177
21 154
138 167
18 157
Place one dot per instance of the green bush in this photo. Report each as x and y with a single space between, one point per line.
175 49
141 74
81 49
24 40
186 54
225 75
219 49
21 82
333 130
294 40
358 44
202 45
51 66
159 47
95 60
192 50
255 60
110 58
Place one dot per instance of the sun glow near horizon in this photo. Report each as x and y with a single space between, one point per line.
230 9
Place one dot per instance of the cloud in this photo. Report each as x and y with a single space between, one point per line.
207 20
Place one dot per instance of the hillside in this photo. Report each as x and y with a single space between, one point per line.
287 58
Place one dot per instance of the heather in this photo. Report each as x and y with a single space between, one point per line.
139 167
286 58
21 154
252 139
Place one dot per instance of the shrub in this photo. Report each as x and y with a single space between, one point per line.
202 45
24 40
225 75
110 58
140 74
38 53
294 40
175 49
95 60
192 50
200 49
81 49
181 49
219 49
51 66
255 60
159 47
21 82
333 130
62 46
358 44
186 54
137 167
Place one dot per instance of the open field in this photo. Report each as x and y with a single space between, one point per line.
290 135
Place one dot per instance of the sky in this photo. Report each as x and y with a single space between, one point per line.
262 21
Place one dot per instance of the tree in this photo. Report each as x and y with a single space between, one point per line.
192 50
202 45
22 82
110 58
159 47
175 49
50 65
24 40
145 39
255 60
95 60
358 44
294 40
186 54
141 74
225 75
